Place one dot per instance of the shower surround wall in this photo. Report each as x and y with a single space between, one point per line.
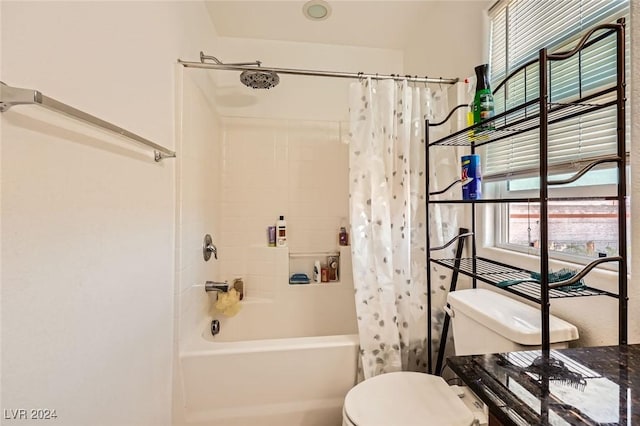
294 168
268 167
199 136
198 195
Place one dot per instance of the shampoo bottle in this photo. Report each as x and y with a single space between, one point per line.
317 274
483 99
281 232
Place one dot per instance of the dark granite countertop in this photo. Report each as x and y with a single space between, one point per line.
579 386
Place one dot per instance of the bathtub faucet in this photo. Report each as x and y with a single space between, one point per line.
220 287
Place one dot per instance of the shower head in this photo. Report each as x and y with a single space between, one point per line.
259 79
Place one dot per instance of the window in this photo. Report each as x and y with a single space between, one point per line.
519 28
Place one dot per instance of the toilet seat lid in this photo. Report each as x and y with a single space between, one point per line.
405 398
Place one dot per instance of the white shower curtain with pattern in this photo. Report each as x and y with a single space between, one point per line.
388 214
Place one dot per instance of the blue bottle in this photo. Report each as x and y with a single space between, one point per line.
471 177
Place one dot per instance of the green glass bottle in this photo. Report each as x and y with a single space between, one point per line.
483 100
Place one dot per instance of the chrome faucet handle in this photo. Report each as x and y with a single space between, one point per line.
208 248
212 249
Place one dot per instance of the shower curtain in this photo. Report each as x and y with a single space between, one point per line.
388 214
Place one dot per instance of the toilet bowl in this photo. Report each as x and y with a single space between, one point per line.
483 322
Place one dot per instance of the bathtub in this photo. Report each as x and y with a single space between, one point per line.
294 369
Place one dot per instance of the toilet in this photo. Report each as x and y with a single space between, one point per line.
483 322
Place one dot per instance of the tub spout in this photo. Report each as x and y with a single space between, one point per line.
219 287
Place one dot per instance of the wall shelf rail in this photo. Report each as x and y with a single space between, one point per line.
12 96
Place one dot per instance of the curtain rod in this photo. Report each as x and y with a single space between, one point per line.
316 73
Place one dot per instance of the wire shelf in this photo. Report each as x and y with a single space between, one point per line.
492 272
526 117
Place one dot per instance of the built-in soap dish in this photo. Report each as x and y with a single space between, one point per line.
299 279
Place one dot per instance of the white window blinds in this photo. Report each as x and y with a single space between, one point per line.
519 29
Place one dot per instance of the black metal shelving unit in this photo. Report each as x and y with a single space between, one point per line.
538 114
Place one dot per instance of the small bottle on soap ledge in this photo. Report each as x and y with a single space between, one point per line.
317 272
343 236
281 232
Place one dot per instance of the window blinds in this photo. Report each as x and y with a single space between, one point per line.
519 29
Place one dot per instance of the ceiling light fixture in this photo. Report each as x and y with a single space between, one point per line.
316 10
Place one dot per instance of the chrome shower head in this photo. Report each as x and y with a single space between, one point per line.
259 79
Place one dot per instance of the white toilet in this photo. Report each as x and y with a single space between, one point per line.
483 322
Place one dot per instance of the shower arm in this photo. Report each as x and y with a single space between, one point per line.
217 61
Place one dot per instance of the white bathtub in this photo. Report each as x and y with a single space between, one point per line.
241 378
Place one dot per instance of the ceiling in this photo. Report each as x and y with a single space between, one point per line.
382 24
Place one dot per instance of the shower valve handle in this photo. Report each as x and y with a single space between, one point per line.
212 249
208 248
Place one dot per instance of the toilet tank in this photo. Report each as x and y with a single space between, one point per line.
488 322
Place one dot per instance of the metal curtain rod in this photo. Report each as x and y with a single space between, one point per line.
11 96
316 73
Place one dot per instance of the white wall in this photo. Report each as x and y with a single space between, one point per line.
457 53
88 219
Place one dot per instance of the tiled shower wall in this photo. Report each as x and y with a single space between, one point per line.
294 168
